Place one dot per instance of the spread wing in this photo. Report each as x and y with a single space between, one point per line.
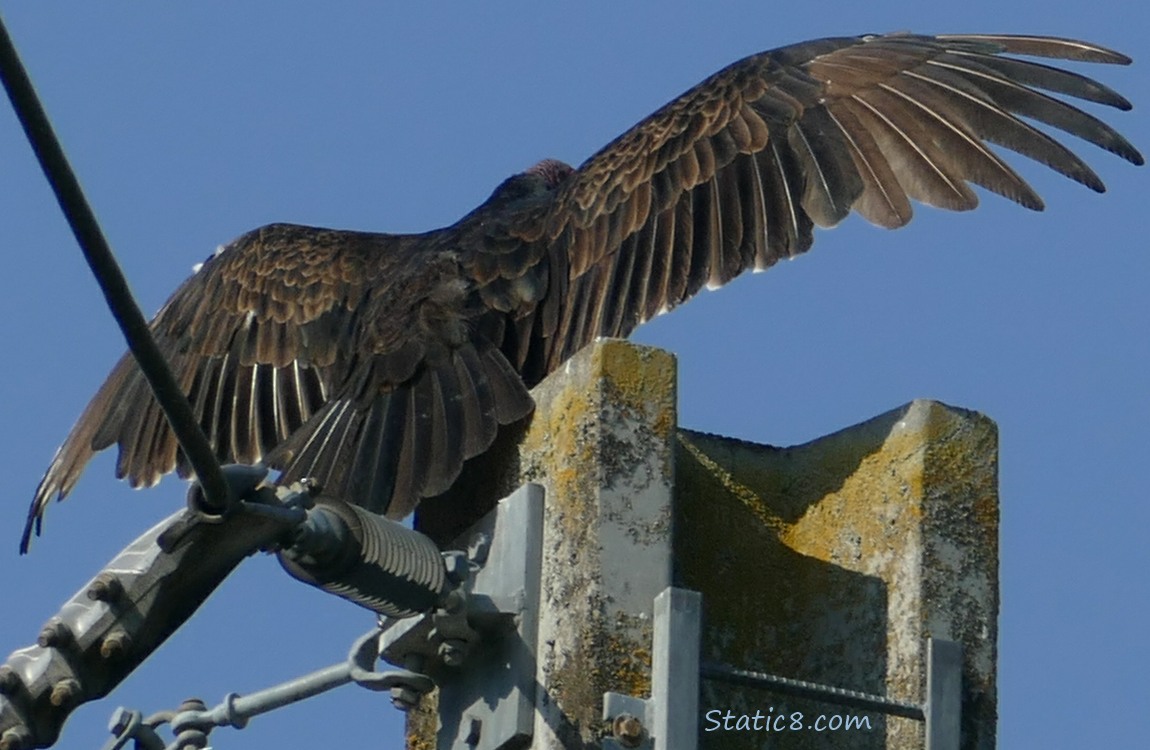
342 356
734 174
377 364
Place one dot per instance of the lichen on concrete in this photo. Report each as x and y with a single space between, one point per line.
834 561
831 561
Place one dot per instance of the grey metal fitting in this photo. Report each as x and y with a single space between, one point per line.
479 547
55 635
106 587
9 681
16 738
65 694
405 698
453 652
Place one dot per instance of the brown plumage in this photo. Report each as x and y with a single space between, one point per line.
377 364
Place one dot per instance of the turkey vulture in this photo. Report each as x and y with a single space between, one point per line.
376 364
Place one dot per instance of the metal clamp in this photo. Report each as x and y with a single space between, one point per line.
148 590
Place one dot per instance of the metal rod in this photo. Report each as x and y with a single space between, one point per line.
237 709
825 693
108 275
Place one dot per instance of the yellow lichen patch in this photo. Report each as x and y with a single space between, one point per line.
422 723
812 559
749 497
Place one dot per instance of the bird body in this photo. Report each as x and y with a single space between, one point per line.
378 364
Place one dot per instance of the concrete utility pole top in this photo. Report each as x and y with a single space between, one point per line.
832 562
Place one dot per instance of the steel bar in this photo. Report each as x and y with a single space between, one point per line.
814 690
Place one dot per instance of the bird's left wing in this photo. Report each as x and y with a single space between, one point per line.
736 173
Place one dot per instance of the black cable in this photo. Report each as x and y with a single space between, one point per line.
108 274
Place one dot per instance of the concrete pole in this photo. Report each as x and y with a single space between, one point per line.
829 562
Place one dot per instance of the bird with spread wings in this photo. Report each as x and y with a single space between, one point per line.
377 364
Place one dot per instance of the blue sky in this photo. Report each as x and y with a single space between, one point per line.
189 125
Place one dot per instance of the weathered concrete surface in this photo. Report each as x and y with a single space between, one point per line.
834 561
602 442
831 561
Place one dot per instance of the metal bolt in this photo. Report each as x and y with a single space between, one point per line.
628 730
405 698
106 588
16 738
65 693
55 635
120 721
453 652
115 644
455 601
457 565
9 680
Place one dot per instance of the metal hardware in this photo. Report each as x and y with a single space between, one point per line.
192 722
813 690
669 718
120 617
480 645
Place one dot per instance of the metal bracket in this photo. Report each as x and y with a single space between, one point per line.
496 595
943 707
668 720
481 648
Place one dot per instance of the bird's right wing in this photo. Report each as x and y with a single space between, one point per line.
257 339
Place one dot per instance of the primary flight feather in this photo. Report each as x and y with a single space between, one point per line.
376 364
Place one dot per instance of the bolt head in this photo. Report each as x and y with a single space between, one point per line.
457 565
453 652
628 730
9 681
120 721
16 738
55 635
106 588
65 693
115 644
405 698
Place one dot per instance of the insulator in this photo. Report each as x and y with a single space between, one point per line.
367 559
